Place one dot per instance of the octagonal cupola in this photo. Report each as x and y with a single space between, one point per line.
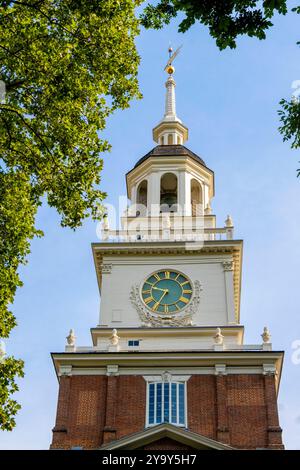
171 178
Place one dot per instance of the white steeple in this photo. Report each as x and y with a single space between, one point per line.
170 130
170 107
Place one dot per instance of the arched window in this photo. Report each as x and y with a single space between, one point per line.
142 193
196 198
168 193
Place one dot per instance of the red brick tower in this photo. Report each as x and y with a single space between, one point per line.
168 368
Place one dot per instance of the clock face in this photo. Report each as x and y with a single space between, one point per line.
167 291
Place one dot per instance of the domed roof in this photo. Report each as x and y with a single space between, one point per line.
170 151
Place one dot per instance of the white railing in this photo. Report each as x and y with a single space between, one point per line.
159 235
225 347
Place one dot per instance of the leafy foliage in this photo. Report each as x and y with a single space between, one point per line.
290 122
226 19
67 66
9 369
290 116
18 211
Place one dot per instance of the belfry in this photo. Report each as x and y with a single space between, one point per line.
168 368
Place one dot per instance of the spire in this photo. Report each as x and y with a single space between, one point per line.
170 130
170 107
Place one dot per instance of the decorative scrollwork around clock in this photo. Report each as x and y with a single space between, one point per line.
152 319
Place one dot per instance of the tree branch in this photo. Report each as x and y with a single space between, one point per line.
5 108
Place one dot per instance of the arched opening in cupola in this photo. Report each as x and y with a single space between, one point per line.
142 197
168 193
196 198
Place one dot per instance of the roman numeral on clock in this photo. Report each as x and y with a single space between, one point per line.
147 291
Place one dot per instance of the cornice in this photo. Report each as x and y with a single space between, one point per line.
177 359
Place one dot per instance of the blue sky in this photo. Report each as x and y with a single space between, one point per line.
229 101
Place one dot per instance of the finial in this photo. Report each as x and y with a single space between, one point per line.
105 223
207 209
218 336
114 339
266 336
229 221
71 338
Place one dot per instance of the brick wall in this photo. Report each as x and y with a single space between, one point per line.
247 418
80 412
131 404
201 405
239 410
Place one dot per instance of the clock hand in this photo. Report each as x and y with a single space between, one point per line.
165 292
158 288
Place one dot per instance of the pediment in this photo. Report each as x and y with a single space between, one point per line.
165 437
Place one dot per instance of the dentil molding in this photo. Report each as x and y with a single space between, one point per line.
106 268
228 265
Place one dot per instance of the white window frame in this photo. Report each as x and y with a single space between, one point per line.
172 379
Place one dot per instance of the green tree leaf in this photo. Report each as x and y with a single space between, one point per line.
67 66
226 19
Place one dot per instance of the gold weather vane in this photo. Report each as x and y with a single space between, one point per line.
169 67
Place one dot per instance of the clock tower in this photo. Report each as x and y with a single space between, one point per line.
168 367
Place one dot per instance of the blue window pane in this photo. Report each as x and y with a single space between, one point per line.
166 403
158 403
174 403
151 404
181 403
